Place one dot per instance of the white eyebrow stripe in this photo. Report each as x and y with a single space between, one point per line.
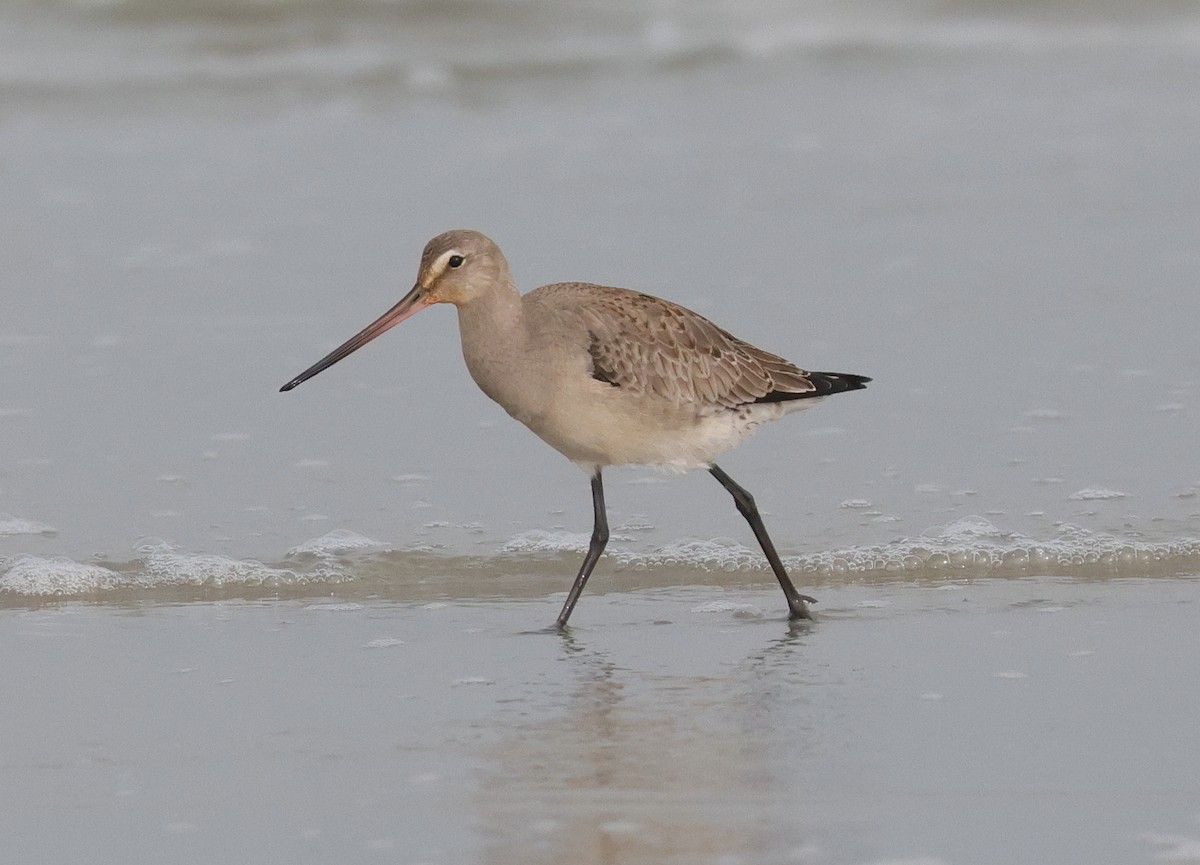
442 262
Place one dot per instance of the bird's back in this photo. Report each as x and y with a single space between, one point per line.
652 347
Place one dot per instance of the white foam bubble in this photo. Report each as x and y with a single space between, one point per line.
169 568
34 575
10 525
743 611
162 565
335 542
969 547
970 527
706 555
383 643
1095 494
972 546
541 541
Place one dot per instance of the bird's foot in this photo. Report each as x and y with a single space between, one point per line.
799 608
556 629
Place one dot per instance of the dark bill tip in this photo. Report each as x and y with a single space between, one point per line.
411 303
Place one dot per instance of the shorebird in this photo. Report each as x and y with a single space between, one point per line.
607 376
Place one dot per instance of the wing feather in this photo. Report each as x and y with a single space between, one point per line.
652 346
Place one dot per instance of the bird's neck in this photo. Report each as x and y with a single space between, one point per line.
492 329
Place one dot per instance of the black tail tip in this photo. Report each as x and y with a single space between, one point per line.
837 382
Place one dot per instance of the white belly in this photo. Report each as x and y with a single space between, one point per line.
611 428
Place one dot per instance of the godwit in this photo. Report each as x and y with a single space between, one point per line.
607 376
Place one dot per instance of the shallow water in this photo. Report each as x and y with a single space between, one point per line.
992 209
991 721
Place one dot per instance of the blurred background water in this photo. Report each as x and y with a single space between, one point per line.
992 208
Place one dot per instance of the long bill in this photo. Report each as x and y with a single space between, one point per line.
409 305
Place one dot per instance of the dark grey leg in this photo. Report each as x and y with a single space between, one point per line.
745 506
595 548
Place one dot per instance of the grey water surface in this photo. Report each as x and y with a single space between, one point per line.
250 626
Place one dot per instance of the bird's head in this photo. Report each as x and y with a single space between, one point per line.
456 267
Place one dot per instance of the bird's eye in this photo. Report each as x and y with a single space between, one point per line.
455 261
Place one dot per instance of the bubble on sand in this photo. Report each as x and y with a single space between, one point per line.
10 525
974 547
703 555
383 643
1096 494
540 541
33 575
335 542
738 610
967 548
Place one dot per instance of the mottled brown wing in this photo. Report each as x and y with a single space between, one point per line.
653 346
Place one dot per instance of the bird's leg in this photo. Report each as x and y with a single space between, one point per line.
745 505
595 548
